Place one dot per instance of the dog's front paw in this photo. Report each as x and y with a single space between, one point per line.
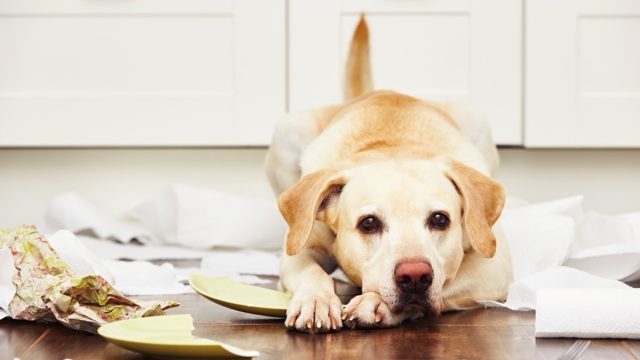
368 311
314 312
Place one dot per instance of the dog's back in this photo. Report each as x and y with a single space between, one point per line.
378 124
359 92
310 140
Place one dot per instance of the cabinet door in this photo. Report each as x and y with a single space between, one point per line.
435 50
582 73
141 72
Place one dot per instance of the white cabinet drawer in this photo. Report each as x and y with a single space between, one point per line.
141 72
432 49
583 73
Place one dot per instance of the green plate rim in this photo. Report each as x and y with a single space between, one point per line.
233 305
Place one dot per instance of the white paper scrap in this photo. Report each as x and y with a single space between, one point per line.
537 242
617 261
608 246
202 218
70 211
145 278
80 259
112 250
522 293
241 263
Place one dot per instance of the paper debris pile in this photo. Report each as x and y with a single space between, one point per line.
37 285
554 245
180 215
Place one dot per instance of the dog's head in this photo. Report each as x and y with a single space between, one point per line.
402 226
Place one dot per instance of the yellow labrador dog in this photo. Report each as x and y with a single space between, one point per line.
397 193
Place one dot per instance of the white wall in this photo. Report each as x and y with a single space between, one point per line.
609 179
117 179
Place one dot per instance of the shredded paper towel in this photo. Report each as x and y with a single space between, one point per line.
180 215
557 250
554 245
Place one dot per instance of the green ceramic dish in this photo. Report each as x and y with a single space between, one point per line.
242 297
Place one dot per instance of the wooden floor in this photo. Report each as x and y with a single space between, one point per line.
477 334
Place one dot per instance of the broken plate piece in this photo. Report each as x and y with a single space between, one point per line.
242 297
168 336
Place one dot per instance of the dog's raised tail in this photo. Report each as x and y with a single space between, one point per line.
358 79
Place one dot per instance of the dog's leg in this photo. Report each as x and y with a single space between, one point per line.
369 311
314 306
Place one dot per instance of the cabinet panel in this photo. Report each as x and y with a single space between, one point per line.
436 50
141 73
582 74
159 54
445 76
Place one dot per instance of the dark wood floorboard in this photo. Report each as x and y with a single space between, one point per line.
475 334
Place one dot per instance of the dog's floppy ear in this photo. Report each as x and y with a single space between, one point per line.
308 200
482 202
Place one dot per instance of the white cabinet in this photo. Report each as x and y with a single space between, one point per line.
141 72
221 72
582 73
435 49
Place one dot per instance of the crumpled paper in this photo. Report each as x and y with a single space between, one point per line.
145 278
79 259
128 277
42 287
555 245
180 215
70 211
202 218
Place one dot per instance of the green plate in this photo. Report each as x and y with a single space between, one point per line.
168 336
242 297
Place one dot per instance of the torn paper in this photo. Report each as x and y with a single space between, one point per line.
145 278
70 211
522 293
554 245
46 289
201 218
180 215
112 250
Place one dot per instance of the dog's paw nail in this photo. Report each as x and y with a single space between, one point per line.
352 318
309 324
319 324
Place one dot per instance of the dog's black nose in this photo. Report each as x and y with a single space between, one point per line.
413 276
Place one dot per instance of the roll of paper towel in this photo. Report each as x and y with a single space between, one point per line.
588 313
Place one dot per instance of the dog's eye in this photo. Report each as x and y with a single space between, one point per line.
438 220
369 224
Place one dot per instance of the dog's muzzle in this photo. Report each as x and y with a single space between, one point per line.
413 278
